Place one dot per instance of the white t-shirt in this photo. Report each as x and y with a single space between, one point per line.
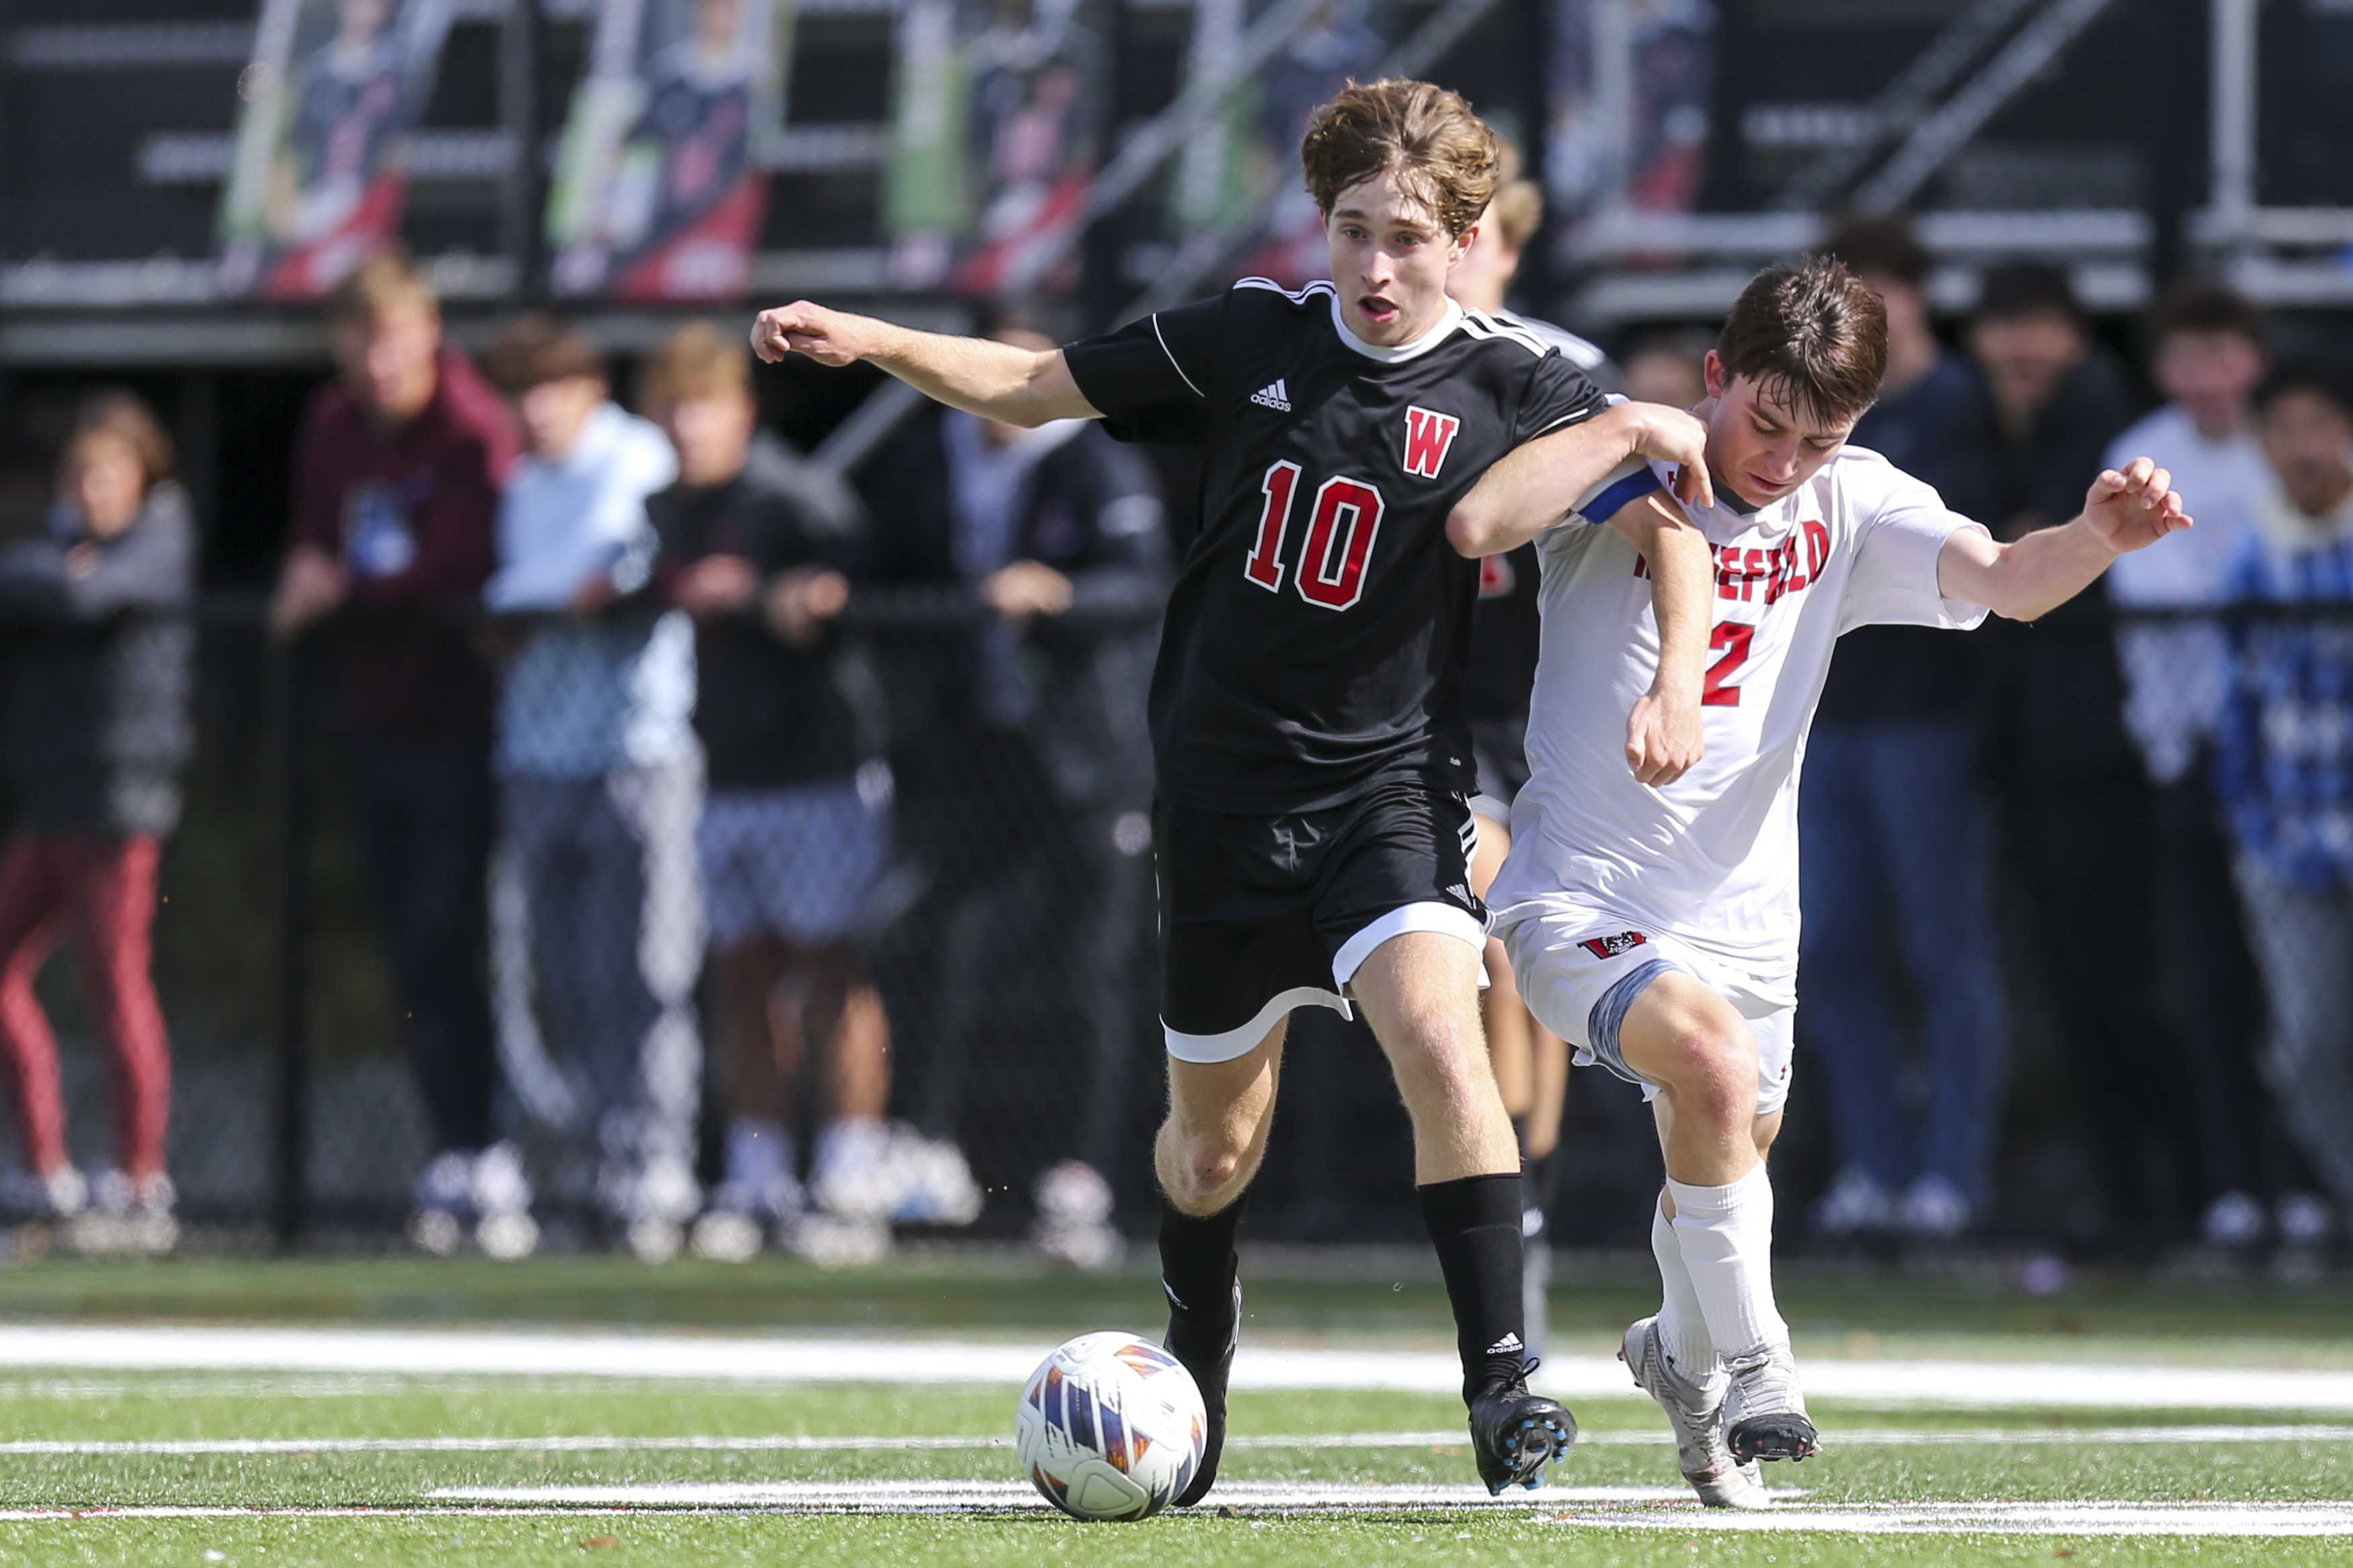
2176 674
1713 858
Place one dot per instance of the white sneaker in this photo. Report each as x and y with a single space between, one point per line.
830 1241
1765 1411
128 1218
1934 1209
445 1185
726 1236
937 1185
2234 1220
2304 1219
858 1172
497 1184
506 1237
53 1195
1074 1209
1854 1203
1695 1415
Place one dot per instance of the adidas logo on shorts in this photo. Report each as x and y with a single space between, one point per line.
1273 395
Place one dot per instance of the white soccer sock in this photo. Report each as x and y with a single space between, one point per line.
1683 1327
1725 1236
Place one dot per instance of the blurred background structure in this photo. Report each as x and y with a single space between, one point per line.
185 183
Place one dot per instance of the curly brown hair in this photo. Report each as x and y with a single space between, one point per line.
1441 152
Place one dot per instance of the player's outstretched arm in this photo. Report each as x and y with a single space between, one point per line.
2126 509
995 381
1663 734
1538 483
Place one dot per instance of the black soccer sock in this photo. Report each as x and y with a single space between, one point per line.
1198 1265
1474 1223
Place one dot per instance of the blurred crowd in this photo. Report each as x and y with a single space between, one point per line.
651 728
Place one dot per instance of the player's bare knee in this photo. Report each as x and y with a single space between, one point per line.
1200 1172
1712 1071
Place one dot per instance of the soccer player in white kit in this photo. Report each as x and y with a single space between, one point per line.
1655 928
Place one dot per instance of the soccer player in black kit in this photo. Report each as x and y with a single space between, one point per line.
1310 818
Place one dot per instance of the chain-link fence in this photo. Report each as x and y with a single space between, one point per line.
2152 942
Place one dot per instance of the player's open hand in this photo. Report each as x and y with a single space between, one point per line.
2134 508
1664 739
828 337
1671 436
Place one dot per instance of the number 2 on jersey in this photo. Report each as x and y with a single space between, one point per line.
1340 503
1730 638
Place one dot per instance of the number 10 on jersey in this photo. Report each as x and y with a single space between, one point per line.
1340 534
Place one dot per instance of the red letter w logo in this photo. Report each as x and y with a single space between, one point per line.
1427 437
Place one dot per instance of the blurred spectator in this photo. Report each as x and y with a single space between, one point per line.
1897 826
2206 353
1531 1063
2286 760
600 777
1668 367
1030 773
756 546
97 735
2074 801
397 468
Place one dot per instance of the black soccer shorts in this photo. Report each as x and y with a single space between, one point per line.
1263 914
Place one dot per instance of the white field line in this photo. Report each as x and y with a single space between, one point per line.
1640 1508
745 1360
794 1443
1658 1508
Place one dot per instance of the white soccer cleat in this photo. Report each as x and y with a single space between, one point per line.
1696 1416
1765 1412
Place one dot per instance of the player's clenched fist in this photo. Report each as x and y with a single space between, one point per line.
828 337
2133 507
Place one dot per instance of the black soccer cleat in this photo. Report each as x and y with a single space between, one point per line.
1785 1435
1515 1433
1209 1357
1765 1412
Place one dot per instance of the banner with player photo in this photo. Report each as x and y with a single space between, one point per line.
662 178
995 111
319 173
1239 176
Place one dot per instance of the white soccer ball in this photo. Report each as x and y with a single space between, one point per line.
1110 1427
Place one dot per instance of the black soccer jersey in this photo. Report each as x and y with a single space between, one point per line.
1316 639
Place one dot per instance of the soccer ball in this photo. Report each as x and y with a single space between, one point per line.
1110 1427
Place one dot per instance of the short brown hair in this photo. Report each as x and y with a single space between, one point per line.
1811 334
1426 136
696 360
1883 244
2203 305
116 413
538 348
385 281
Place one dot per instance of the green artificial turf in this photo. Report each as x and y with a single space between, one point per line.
1848 1314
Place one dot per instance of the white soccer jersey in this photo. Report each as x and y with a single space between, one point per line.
1713 858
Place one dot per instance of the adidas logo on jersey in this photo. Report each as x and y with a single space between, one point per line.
1273 395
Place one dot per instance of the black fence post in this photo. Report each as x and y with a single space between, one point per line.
292 1131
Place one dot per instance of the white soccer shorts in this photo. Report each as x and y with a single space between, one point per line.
1570 965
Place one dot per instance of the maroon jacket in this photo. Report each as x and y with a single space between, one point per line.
412 514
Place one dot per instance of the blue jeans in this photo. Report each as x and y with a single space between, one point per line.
422 819
1897 830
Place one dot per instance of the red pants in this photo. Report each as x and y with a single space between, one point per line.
106 888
